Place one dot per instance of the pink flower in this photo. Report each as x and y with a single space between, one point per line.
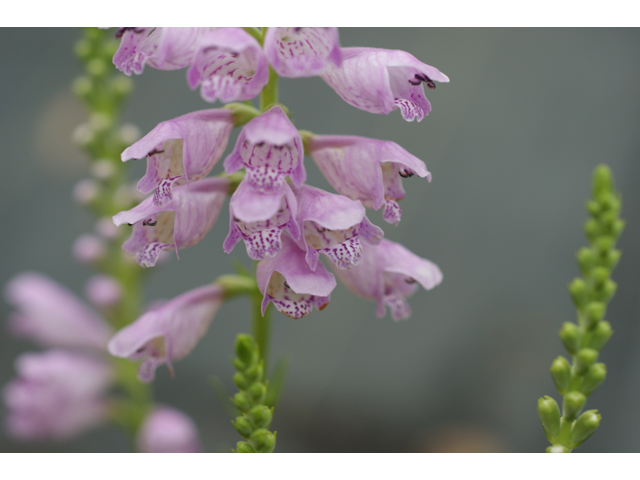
288 282
333 225
168 430
163 48
229 66
58 394
258 218
169 331
302 51
388 274
379 81
367 170
179 223
181 150
52 316
270 148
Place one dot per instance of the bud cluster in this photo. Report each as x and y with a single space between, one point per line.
256 417
585 339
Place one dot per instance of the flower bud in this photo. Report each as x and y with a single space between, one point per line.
586 259
97 67
263 440
88 249
103 169
605 243
570 336
243 426
592 229
585 426
593 378
600 276
611 258
549 415
617 228
607 291
561 373
602 181
103 291
594 313
257 392
82 135
106 228
86 191
82 86
578 291
593 207
241 381
242 401
261 416
129 133
600 335
573 404
244 447
245 350
255 373
82 48
584 359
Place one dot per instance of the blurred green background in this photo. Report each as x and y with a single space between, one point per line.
511 143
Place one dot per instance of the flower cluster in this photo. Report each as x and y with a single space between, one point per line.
284 223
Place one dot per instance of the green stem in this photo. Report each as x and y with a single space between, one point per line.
260 326
269 94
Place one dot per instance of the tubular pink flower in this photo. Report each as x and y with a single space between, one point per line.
387 274
164 48
367 170
302 51
270 148
288 282
333 225
168 430
58 394
258 218
168 332
181 150
379 81
229 65
52 316
179 223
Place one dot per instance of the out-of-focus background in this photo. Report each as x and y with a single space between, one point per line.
511 143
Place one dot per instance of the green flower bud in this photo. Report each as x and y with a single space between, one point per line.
600 335
600 275
593 378
602 181
257 392
617 227
592 229
255 373
561 373
82 48
241 381
244 447
607 291
97 67
243 426
82 86
593 207
238 364
584 359
573 405
550 416
604 243
585 426
242 401
586 259
611 203
611 258
263 440
593 313
578 291
244 349
261 416
570 336
122 85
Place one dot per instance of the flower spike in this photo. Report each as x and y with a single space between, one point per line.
380 81
302 51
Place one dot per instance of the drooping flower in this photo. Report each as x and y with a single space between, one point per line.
302 51
52 316
366 169
258 218
379 81
168 430
164 48
58 394
387 274
333 225
270 148
181 150
288 282
168 332
229 65
179 223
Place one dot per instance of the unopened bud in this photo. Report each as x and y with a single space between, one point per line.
103 169
241 381
605 243
593 313
600 276
97 67
82 86
578 291
242 401
593 207
82 48
103 291
584 359
129 133
244 447
263 440
82 135
255 373
602 181
122 85
585 426
89 249
592 229
570 336
561 373
573 404
611 258
243 426
549 415
586 259
99 122
244 349
257 392
600 335
617 228
86 191
607 291
106 228
593 378
261 416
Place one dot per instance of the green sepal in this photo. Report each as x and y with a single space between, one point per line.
263 440
585 426
593 378
261 416
244 447
257 392
241 381
549 413
254 373
584 359
244 426
242 401
242 113
573 405
600 335
593 313
561 373
570 336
